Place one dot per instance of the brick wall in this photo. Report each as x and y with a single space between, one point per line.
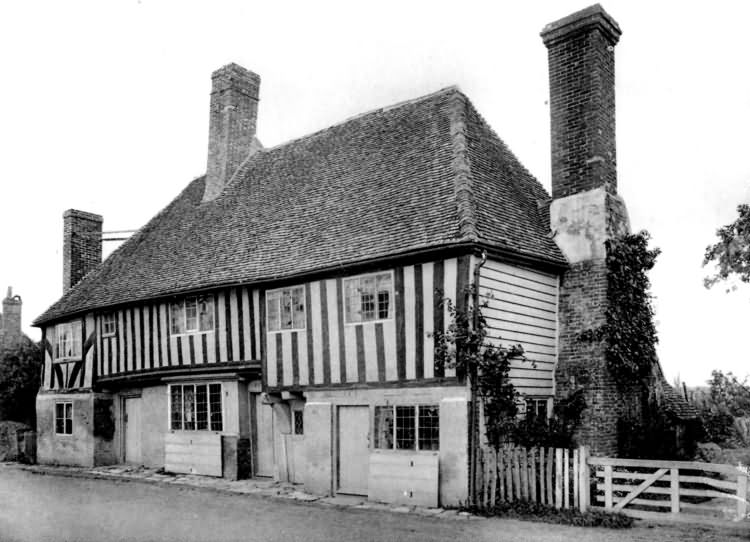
582 101
232 124
82 245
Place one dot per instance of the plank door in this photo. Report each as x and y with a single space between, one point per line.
132 431
264 431
354 449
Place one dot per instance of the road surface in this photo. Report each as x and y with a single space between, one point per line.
39 508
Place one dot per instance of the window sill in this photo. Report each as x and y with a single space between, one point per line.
193 333
403 452
286 330
68 359
378 321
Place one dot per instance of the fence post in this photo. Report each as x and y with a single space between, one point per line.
542 465
576 479
583 473
608 487
566 478
741 496
558 477
532 475
674 490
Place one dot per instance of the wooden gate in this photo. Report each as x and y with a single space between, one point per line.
654 489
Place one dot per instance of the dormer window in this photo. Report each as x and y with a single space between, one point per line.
68 340
194 314
109 324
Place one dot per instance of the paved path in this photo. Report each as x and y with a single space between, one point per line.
39 508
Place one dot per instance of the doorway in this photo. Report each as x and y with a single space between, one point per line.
353 449
263 441
132 433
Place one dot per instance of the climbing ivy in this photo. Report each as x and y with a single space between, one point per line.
629 331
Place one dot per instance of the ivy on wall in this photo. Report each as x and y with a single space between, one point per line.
629 329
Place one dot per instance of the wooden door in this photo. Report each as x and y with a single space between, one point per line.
354 449
132 419
264 456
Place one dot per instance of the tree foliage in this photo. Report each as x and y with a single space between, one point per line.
731 253
726 401
20 368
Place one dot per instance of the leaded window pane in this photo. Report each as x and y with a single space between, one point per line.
188 401
177 318
206 313
215 406
191 314
176 407
384 427
429 428
405 428
201 407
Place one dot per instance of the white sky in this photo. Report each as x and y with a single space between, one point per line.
104 108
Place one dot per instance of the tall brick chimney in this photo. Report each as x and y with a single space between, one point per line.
82 245
231 132
581 49
586 211
10 324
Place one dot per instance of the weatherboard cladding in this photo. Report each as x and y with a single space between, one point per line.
379 185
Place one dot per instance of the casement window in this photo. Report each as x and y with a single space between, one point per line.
64 418
193 314
536 408
407 427
368 298
109 324
68 340
298 421
196 407
286 308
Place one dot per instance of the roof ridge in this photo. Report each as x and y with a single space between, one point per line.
463 180
444 90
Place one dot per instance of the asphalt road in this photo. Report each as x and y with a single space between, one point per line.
40 508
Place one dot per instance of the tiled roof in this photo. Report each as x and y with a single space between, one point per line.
674 403
419 175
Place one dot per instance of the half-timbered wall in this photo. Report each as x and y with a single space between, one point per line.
331 352
73 373
522 309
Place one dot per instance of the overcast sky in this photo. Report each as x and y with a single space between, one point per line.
104 108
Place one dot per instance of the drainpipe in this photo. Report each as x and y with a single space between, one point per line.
473 398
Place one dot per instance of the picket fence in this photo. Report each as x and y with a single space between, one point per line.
640 488
548 476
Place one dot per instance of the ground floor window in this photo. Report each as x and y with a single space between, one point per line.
196 407
536 408
64 418
407 427
299 424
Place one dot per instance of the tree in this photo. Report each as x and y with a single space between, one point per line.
20 369
731 253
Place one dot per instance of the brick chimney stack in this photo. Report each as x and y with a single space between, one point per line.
232 123
82 245
10 324
581 52
584 213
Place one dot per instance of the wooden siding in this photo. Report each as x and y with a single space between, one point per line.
522 309
331 352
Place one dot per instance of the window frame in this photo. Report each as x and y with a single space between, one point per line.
391 298
280 291
298 414
531 407
182 301
76 332
209 412
395 429
105 316
64 419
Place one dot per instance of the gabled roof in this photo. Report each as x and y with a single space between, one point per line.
423 174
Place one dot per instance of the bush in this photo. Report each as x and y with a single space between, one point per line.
20 368
539 512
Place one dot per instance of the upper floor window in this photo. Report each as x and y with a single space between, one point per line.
368 298
192 314
68 340
109 324
286 308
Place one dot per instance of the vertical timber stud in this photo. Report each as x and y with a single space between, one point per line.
472 376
